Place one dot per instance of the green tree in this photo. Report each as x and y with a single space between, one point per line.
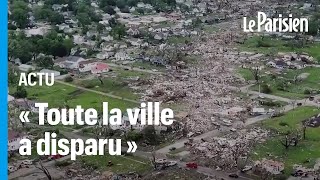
56 18
125 9
44 45
313 28
21 92
113 22
121 4
149 134
41 13
13 77
119 31
132 3
45 62
100 28
20 17
58 49
68 44
83 19
109 10
104 3
140 11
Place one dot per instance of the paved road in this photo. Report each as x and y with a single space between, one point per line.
148 155
179 143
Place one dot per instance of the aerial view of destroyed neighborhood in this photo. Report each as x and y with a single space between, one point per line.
246 104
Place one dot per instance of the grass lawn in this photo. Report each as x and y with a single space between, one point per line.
59 94
312 82
246 74
271 45
111 86
210 28
305 153
121 164
148 66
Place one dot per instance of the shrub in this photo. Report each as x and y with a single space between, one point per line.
68 79
283 124
21 92
261 43
134 136
266 89
307 91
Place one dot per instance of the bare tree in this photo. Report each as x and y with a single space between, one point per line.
295 138
153 158
44 170
285 142
256 73
100 79
304 128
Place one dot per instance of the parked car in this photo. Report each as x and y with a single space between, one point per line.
53 157
27 162
233 175
246 168
11 169
172 163
192 165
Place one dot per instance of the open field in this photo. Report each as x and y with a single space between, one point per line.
114 87
284 84
121 164
59 95
269 45
305 153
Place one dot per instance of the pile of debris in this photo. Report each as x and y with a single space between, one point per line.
227 151
208 88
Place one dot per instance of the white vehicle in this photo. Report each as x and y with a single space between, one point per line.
227 121
172 163
246 168
27 162
11 169
233 130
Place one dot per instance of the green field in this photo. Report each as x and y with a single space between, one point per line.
59 95
111 86
246 74
269 45
121 164
305 153
291 90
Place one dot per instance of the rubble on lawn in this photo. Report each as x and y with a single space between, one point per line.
225 152
270 166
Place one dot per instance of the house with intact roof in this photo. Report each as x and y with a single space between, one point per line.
70 62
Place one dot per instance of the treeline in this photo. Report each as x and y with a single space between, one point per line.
28 48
